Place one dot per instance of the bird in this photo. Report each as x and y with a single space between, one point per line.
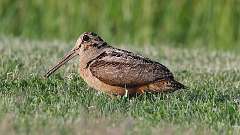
116 71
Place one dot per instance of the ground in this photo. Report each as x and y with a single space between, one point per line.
64 104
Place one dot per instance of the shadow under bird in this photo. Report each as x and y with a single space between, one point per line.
116 71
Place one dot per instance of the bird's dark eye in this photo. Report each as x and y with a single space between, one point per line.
86 38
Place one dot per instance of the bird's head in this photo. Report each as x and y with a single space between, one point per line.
87 43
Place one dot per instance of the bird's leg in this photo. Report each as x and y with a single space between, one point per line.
126 93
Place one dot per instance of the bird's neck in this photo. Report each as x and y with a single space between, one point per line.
87 56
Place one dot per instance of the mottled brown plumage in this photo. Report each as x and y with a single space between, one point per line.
117 71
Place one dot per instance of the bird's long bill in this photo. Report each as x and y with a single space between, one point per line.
64 60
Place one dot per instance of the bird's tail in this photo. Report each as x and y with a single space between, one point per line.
175 85
165 85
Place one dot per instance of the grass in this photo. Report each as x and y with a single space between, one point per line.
64 104
182 22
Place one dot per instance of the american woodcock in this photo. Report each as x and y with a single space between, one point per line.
116 71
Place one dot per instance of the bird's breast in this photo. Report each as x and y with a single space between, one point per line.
95 83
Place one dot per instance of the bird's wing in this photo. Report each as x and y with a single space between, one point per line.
122 68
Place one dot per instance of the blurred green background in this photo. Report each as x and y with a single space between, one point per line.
211 23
